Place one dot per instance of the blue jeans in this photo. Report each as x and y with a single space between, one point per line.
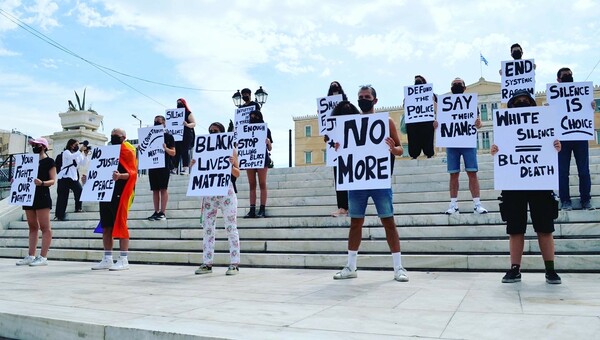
580 150
469 156
383 199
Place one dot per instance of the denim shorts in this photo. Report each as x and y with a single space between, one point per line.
358 199
469 156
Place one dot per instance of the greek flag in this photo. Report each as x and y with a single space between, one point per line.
482 58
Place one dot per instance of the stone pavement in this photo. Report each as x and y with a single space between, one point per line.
67 300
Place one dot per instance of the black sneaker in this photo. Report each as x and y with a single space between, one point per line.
553 278
153 217
160 216
512 276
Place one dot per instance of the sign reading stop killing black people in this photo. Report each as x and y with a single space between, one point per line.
211 173
252 146
517 75
526 158
363 160
572 102
151 154
22 189
325 106
418 103
174 122
456 115
100 185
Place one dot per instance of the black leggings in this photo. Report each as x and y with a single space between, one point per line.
63 188
182 152
420 137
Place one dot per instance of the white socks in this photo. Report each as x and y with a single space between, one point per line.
397 260
352 255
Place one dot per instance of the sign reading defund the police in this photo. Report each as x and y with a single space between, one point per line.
325 106
363 160
418 103
456 115
526 158
252 145
517 75
211 173
22 189
174 122
100 185
572 102
151 152
242 116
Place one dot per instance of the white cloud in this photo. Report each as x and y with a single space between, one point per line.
42 12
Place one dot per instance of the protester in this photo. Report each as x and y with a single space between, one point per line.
420 135
68 179
246 93
159 177
182 148
82 169
257 118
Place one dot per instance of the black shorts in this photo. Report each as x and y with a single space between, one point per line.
159 178
108 212
543 209
41 200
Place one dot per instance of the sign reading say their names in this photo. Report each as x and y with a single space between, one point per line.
174 122
151 154
252 146
363 160
325 106
456 115
572 102
517 75
242 116
526 158
100 185
418 103
22 189
211 173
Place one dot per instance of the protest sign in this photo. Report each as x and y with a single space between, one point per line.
418 103
252 145
174 123
325 106
22 189
211 173
456 115
572 102
242 116
526 159
363 160
100 185
151 154
517 75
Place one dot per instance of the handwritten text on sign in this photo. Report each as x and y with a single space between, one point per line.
418 103
363 156
252 145
211 174
174 122
151 152
572 102
456 115
526 159
517 75
100 185
242 116
22 189
325 106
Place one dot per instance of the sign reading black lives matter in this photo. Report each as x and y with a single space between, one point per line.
363 160
252 146
151 154
325 106
242 116
174 122
572 102
22 189
211 174
517 75
100 185
456 115
418 103
526 158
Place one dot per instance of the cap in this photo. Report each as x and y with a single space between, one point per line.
521 93
40 140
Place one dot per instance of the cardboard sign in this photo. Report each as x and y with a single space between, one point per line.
526 159
242 116
211 174
22 189
456 115
325 106
100 185
418 103
151 154
517 75
331 153
174 122
252 146
572 102
363 160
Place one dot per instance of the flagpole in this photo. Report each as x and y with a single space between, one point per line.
480 66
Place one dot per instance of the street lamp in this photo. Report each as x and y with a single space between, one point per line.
237 98
134 116
260 96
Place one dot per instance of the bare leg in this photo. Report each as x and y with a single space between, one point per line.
516 244
164 199
546 242
124 244
355 233
156 199
252 185
391 234
107 239
262 182
473 183
32 222
43 216
454 185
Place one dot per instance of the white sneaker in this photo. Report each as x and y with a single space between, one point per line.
345 273
184 171
452 210
121 264
104 264
25 261
39 261
478 209
400 275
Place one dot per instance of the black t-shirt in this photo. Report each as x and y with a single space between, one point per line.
251 103
170 142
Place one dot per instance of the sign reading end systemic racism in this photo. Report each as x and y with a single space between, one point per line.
419 103
572 102
325 106
456 115
100 185
151 154
363 160
517 75
526 159
211 174
174 122
22 189
252 146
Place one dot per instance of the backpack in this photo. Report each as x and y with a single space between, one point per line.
58 162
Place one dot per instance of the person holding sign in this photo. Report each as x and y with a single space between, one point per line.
516 52
383 199
159 177
257 117
420 134
246 98
543 209
68 179
182 148
38 214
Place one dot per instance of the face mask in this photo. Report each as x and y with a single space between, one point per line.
521 104
457 89
37 149
246 98
334 89
254 120
517 55
419 82
567 78
114 140
365 105
74 149
157 123
180 105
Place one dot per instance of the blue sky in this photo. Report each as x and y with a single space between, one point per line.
294 49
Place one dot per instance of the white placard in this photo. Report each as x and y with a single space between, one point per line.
252 145
100 185
456 115
174 122
526 159
211 174
418 103
517 75
242 116
331 153
22 189
325 106
572 102
151 154
363 160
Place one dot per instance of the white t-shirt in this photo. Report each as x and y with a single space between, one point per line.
70 162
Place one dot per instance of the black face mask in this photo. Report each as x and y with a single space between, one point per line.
334 89
365 105
254 120
457 89
246 98
419 82
567 78
521 104
74 149
114 140
180 105
37 149
516 55
157 123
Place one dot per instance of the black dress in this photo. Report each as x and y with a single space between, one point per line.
41 199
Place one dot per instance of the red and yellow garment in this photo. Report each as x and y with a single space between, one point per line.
128 161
